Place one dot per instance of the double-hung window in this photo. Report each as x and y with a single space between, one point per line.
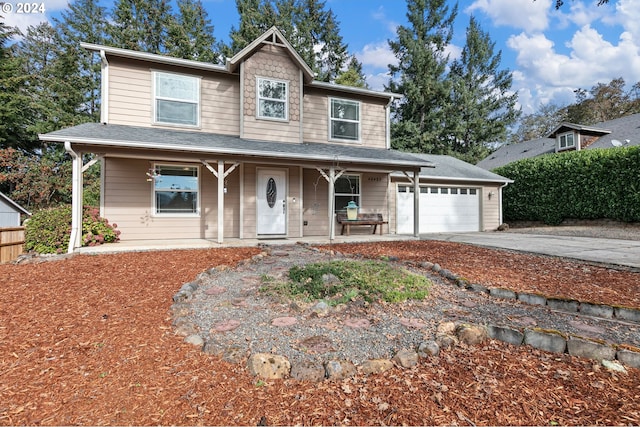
176 189
176 99
344 117
566 141
272 99
347 189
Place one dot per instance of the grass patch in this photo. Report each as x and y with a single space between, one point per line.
339 282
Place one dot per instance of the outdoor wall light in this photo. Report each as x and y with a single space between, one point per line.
491 194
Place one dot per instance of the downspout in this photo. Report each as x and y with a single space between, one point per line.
500 202
76 198
104 91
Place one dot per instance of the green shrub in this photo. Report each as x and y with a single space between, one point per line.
587 184
49 230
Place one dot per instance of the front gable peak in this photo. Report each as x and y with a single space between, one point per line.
272 37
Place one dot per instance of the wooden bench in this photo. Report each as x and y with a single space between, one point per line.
372 219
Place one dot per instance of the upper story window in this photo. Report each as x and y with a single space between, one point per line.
344 120
566 140
272 99
176 189
176 99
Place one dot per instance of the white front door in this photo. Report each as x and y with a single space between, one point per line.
271 199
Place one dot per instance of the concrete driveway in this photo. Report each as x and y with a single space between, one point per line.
606 251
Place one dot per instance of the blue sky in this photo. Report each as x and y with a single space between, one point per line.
550 52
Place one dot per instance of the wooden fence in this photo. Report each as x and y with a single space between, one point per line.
11 243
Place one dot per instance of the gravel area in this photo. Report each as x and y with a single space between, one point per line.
236 319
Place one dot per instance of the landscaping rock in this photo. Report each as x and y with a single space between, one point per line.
436 268
376 366
502 293
591 350
597 310
195 340
471 335
508 335
547 341
447 274
632 314
406 358
629 358
446 341
564 305
307 371
269 366
478 288
446 328
532 299
428 349
339 369
321 309
612 365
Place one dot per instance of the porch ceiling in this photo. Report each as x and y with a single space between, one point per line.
103 137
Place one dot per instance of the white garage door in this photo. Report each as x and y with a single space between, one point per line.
442 209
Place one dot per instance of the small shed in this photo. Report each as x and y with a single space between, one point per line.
10 212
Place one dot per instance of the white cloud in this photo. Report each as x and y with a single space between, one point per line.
528 15
378 81
381 15
25 20
377 55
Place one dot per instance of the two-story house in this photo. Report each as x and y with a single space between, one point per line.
255 148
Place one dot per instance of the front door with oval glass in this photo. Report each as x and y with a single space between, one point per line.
271 199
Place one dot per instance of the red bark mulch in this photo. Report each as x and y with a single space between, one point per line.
88 340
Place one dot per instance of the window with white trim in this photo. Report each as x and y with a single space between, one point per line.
272 99
176 99
176 190
347 189
344 118
566 140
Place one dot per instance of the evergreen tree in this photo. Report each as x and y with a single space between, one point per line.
16 113
141 25
421 76
482 105
353 75
191 35
312 30
84 21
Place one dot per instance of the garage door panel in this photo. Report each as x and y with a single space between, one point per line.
441 211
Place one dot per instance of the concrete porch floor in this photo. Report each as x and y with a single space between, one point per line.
173 244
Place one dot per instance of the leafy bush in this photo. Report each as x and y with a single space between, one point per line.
49 230
343 281
587 184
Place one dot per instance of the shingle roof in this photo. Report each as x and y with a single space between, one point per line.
450 168
625 129
108 135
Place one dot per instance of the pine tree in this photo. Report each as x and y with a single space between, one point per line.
141 25
16 115
353 75
421 76
84 21
191 34
482 104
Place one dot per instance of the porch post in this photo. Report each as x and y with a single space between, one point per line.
416 203
220 201
75 240
332 201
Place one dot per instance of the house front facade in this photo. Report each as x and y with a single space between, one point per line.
255 148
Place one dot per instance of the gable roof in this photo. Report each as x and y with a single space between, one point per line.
275 37
626 130
13 204
149 138
452 169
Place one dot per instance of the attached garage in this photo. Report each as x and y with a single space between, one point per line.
455 196
442 209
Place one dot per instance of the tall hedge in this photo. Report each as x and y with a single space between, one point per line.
587 184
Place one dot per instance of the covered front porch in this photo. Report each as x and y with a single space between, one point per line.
186 244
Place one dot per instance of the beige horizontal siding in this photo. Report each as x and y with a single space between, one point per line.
131 97
271 130
315 205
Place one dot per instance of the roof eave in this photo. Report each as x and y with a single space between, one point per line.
355 90
151 146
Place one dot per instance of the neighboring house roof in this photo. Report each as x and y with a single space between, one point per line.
108 135
625 130
13 204
451 169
